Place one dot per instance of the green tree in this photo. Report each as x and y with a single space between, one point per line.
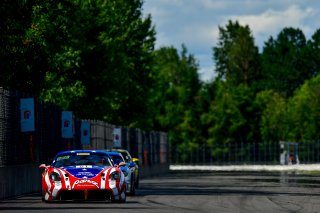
236 57
284 62
125 42
56 28
19 59
230 114
304 112
273 116
206 96
98 55
175 95
313 54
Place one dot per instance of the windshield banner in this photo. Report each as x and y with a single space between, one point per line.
67 127
27 114
117 137
85 133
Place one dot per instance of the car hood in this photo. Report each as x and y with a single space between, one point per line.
124 168
84 171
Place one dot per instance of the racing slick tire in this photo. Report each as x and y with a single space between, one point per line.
123 196
132 187
136 183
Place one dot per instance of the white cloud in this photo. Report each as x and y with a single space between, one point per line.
214 5
271 22
206 74
195 22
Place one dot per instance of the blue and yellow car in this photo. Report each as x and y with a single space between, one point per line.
133 162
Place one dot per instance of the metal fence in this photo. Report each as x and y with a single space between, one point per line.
42 145
151 148
267 153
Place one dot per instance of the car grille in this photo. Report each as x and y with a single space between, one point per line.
80 195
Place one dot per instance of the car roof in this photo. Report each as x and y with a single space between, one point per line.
117 150
81 151
114 153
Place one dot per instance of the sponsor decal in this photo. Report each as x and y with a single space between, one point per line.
117 137
85 133
66 157
89 174
67 125
84 166
27 115
83 153
83 182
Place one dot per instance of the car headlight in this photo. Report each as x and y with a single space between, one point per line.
115 176
55 176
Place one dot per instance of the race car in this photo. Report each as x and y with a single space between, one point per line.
127 170
83 175
128 159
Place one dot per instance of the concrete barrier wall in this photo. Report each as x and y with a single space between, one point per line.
24 179
17 180
154 170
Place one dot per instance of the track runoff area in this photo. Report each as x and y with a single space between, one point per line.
289 188
270 168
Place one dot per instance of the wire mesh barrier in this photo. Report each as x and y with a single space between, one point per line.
42 144
268 153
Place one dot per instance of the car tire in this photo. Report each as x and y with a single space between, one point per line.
42 197
124 198
133 187
137 182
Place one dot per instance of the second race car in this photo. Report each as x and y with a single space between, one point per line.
128 159
127 170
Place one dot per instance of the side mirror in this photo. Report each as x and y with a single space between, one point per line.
136 160
42 166
132 164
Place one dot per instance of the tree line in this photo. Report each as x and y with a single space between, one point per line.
97 58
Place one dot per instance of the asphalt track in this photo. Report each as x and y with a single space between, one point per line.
199 191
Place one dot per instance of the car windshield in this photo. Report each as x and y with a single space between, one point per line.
117 159
126 156
82 158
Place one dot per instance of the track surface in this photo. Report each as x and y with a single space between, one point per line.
199 192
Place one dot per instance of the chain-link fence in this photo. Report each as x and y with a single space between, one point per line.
41 145
268 153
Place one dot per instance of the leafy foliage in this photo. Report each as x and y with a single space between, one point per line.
273 108
97 59
175 95
21 64
93 54
236 56
228 115
304 112
284 62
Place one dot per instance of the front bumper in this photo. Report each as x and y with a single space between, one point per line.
84 195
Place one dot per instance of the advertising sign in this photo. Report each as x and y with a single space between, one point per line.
27 114
85 133
117 137
66 124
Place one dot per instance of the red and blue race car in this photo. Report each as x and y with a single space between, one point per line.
83 175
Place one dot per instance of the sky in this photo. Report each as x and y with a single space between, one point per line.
195 23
